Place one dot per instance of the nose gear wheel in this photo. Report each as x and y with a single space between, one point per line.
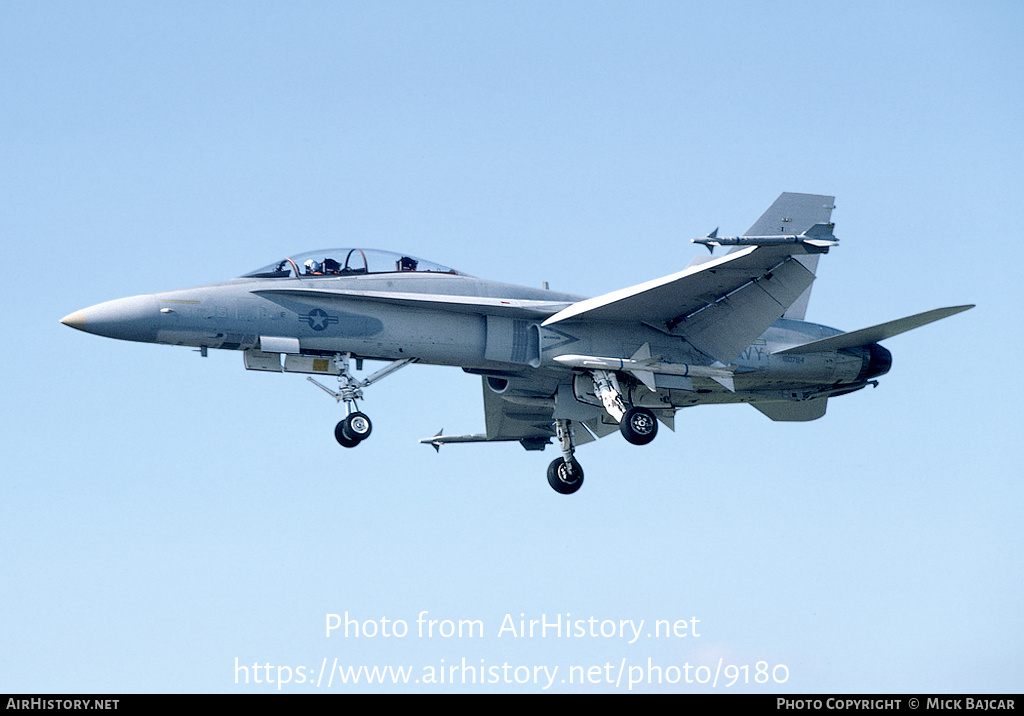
353 430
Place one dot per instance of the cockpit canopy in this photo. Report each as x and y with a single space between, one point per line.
346 262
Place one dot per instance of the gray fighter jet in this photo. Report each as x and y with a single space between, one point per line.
727 329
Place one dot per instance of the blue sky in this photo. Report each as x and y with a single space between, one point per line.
165 514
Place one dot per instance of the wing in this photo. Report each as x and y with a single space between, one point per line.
515 410
518 413
720 307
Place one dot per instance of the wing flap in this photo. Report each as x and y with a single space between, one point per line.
719 306
727 327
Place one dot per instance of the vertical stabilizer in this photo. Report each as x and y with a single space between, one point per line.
794 214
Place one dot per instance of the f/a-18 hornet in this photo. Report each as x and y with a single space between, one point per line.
727 329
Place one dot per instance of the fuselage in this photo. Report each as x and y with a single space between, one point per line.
439 316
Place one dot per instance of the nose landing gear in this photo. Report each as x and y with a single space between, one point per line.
356 426
353 430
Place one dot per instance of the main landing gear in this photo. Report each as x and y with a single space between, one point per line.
565 474
638 425
356 426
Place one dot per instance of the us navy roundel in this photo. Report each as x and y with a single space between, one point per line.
318 319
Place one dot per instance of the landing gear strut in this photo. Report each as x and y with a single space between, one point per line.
356 426
565 474
637 425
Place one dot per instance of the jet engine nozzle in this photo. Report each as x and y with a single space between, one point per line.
879 361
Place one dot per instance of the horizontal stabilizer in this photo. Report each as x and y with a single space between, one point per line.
874 334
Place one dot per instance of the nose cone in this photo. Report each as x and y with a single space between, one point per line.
130 319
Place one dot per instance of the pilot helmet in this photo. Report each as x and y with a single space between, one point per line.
312 266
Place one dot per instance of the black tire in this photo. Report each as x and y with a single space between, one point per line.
357 426
342 436
638 426
565 478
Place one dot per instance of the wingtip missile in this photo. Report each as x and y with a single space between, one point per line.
435 442
816 239
709 241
